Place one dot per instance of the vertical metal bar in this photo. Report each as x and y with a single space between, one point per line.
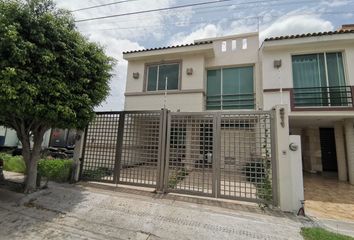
119 148
161 155
327 80
216 154
167 151
273 126
83 154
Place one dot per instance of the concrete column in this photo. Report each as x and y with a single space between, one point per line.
283 162
296 171
79 145
340 150
349 138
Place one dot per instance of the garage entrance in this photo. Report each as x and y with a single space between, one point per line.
222 155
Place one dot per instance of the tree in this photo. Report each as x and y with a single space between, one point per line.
50 75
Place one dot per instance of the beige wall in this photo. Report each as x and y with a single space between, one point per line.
186 102
238 57
188 82
283 50
191 96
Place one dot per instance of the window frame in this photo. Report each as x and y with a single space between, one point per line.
324 53
221 84
152 64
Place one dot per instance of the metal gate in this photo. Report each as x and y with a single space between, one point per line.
124 147
216 154
223 155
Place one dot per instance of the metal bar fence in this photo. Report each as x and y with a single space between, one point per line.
216 154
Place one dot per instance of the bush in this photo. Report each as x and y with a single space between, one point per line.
57 170
96 174
13 163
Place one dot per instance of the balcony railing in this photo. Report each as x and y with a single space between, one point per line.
230 101
339 96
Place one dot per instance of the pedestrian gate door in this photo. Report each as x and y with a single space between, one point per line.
223 154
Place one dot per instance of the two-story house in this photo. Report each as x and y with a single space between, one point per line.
211 74
313 74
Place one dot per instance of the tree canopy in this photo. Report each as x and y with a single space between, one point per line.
50 75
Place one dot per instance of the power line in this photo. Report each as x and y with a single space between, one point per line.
205 10
155 10
215 19
185 6
102 5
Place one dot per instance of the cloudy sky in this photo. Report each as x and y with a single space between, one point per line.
270 17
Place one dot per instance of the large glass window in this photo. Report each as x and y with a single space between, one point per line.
319 80
159 75
230 88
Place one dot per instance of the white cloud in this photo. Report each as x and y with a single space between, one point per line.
296 25
336 3
120 34
114 47
207 31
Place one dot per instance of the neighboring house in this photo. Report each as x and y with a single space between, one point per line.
8 137
57 138
313 74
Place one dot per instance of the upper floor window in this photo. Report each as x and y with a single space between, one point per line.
163 76
319 80
230 88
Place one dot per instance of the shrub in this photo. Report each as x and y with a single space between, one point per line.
13 163
96 174
57 170
179 175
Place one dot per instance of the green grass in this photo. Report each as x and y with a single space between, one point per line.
13 163
322 234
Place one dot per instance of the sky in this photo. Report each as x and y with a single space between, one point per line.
184 25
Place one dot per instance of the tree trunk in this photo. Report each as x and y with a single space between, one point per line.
31 177
31 159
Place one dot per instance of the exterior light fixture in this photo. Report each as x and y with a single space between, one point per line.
189 71
277 64
136 75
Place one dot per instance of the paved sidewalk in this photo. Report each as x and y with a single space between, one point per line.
79 212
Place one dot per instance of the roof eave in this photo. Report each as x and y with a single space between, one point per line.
201 49
273 44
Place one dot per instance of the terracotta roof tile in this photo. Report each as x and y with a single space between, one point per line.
309 35
169 47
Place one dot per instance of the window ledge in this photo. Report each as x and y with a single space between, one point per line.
189 91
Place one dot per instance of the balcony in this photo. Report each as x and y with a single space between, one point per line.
230 101
322 97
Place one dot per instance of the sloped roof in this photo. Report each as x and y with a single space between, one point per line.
169 47
309 35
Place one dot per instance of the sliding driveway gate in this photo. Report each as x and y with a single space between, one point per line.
216 154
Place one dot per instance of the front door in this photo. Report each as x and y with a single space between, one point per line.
328 150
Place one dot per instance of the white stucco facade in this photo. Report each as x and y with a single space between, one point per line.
190 96
311 122
273 85
276 78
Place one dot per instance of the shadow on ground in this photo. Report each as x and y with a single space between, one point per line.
35 216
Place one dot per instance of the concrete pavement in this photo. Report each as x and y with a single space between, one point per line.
81 212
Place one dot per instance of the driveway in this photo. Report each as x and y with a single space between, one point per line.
85 212
330 203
